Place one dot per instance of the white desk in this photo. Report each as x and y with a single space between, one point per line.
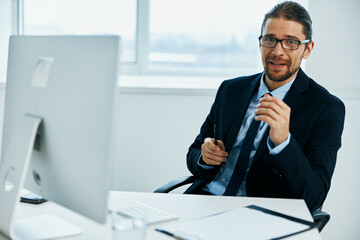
185 206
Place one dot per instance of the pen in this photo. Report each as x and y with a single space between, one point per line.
215 139
170 234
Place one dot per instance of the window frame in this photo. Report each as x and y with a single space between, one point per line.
141 66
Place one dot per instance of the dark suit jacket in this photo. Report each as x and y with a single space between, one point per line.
304 168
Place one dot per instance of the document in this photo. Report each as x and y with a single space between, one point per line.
251 222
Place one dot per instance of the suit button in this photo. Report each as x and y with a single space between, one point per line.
277 172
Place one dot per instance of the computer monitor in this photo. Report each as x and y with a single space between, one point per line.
59 128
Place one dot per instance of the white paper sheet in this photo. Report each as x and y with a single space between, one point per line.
240 223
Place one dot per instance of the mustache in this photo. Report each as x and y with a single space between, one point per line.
271 58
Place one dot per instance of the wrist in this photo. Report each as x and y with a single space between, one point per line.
280 139
273 150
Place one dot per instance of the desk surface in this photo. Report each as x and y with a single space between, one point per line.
185 206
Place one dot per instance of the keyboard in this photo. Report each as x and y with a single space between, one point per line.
139 210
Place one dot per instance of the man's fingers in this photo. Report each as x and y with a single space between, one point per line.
277 114
265 118
269 106
210 144
213 154
275 102
267 112
221 145
213 160
273 107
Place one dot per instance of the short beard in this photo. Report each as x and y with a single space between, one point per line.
287 75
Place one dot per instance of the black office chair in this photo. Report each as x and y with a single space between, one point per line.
320 218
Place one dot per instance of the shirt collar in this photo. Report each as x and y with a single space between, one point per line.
279 92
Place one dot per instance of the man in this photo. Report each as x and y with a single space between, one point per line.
292 153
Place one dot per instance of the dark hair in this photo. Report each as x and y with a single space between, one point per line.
291 11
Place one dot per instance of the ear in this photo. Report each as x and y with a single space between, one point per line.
308 49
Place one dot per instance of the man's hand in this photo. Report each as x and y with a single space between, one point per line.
277 114
213 154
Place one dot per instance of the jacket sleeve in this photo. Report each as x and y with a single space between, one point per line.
206 130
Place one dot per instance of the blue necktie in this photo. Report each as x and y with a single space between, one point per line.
243 160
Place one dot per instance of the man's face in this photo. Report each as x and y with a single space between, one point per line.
281 65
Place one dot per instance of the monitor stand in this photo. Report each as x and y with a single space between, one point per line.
13 171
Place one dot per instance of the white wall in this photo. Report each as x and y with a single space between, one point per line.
156 129
335 64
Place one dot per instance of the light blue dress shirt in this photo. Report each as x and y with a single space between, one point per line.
222 178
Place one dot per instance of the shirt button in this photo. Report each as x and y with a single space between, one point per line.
223 179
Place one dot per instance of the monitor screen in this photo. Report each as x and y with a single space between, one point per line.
69 83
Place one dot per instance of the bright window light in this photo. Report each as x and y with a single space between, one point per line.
206 33
163 37
62 17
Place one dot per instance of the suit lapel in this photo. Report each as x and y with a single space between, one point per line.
240 110
295 94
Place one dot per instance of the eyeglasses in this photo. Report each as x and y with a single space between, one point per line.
288 44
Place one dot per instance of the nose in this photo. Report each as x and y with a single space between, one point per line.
278 50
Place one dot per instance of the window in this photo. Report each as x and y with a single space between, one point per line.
83 17
206 34
163 37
